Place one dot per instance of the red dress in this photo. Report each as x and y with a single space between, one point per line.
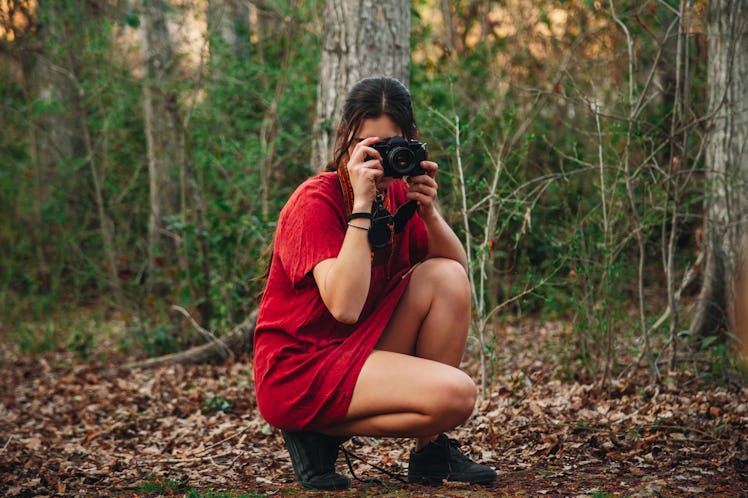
305 362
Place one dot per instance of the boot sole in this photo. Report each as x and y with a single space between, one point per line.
437 480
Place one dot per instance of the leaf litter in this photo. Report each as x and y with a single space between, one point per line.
73 428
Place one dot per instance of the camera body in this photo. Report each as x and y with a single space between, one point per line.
401 158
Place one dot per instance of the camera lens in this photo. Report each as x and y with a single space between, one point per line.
401 159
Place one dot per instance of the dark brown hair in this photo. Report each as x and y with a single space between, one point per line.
371 98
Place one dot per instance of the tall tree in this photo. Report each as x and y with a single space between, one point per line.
228 29
164 135
726 221
360 38
55 138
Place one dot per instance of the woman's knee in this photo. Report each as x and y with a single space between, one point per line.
460 394
446 278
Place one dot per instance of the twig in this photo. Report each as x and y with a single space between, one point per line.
6 443
688 277
200 455
634 110
681 428
226 351
191 459
511 429
223 440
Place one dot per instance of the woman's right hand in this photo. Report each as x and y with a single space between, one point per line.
364 173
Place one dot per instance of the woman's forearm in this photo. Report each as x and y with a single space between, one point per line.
344 281
443 242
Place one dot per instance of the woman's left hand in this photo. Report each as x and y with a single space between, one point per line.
423 190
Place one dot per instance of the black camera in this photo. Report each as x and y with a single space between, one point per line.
401 158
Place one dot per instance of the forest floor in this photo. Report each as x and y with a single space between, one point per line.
74 428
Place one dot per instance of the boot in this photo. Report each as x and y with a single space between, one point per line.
442 459
313 457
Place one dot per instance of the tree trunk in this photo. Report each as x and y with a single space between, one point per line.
228 30
360 38
164 137
726 220
55 138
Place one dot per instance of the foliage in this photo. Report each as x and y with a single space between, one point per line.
155 340
575 119
233 97
218 403
569 137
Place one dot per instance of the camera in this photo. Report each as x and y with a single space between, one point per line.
401 158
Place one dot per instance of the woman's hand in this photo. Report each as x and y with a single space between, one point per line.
364 173
423 189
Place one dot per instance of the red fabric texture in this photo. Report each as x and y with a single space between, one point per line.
305 362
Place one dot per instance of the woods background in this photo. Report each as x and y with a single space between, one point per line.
592 159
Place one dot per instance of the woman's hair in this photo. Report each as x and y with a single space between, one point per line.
371 98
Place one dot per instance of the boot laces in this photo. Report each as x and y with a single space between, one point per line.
454 452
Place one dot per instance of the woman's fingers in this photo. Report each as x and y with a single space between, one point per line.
363 152
364 169
425 184
430 167
423 188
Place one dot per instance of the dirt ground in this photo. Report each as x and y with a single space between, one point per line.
72 428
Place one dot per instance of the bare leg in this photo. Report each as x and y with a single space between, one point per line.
410 385
433 316
433 399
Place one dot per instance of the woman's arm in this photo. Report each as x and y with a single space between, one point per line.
443 242
344 281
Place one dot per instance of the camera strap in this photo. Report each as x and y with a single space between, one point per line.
403 214
383 223
380 231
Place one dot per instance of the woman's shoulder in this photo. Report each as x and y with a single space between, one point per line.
322 187
325 182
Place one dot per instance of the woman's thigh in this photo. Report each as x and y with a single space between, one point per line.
421 391
433 315
410 384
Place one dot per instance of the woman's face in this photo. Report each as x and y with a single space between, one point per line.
382 127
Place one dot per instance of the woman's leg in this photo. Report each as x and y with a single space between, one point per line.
404 396
410 385
433 316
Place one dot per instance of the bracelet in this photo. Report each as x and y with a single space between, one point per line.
361 215
358 226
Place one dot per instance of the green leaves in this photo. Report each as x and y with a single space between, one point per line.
219 404
132 20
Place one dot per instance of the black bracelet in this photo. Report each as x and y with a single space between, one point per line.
360 215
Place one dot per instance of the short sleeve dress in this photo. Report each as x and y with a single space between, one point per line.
306 363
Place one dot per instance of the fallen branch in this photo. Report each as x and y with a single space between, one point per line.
225 351
219 443
237 341
211 458
7 443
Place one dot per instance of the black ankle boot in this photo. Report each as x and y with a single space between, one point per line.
442 459
313 457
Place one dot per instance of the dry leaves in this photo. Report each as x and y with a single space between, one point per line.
72 429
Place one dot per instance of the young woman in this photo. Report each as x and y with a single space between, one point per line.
364 319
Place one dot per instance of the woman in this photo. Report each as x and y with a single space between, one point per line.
363 322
